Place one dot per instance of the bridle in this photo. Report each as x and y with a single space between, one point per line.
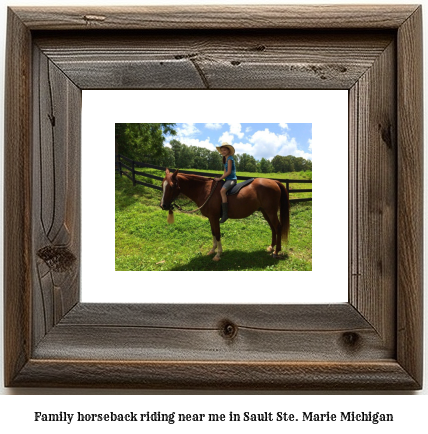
178 207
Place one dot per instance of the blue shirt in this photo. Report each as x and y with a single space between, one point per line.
233 173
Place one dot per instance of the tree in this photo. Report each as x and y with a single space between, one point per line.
290 163
283 164
168 159
237 159
265 166
184 157
247 163
200 157
140 141
215 161
278 164
176 148
302 164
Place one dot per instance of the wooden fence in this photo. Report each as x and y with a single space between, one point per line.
127 167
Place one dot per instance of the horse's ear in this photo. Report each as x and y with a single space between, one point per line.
167 171
174 175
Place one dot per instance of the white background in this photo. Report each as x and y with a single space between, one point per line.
328 113
16 412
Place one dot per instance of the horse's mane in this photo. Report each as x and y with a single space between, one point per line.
197 178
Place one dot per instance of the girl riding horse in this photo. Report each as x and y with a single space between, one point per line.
265 195
227 151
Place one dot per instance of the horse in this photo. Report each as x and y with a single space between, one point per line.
262 194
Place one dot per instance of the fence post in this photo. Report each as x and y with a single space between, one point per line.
287 186
120 164
133 173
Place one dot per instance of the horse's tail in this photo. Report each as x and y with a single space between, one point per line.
284 212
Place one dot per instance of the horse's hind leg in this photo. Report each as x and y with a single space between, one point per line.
276 231
272 228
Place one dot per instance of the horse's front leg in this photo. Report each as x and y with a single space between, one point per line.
212 251
215 229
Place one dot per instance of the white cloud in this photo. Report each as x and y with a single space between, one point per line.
213 126
266 144
229 136
187 130
243 148
185 135
188 141
303 154
226 137
200 143
235 129
310 144
284 126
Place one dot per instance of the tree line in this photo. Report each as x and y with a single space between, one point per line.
145 142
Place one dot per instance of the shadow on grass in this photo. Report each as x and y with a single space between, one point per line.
233 260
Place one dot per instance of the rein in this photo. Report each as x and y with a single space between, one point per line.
178 207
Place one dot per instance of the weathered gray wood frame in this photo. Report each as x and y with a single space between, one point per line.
372 342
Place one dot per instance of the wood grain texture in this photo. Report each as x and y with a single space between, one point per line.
386 375
373 163
17 199
372 342
216 59
198 332
210 316
56 194
217 17
410 191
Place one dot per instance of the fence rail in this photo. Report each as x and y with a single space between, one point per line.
130 172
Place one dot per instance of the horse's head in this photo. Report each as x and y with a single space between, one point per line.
170 189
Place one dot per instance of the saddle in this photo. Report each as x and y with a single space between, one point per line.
236 189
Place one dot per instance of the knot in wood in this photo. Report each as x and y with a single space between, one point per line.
386 134
58 259
228 330
351 340
185 56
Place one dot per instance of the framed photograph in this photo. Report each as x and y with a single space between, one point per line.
371 341
148 243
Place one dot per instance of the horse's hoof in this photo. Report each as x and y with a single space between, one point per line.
269 249
216 258
211 252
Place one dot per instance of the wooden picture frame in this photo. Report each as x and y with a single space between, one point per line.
372 342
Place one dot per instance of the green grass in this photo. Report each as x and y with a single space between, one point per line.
145 241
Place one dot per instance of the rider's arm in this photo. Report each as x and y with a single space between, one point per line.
226 172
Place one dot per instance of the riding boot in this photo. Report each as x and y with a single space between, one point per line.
224 217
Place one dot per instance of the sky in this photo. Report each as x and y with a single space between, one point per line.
256 139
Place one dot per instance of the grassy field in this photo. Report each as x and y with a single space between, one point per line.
146 242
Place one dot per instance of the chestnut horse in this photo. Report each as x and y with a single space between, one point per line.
262 194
